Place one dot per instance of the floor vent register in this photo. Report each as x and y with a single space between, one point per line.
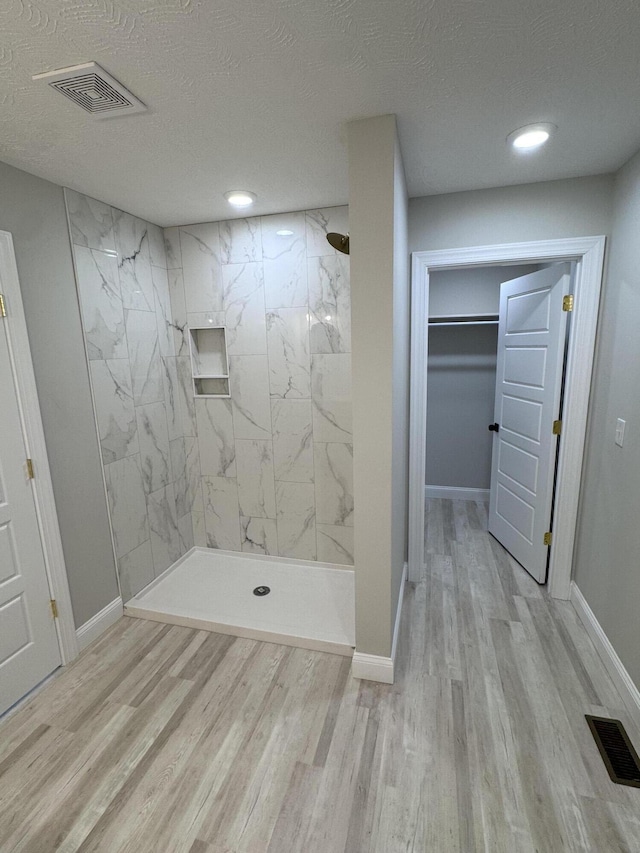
618 754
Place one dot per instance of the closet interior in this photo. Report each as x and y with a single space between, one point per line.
461 378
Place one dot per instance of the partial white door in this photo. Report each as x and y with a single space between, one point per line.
29 649
531 340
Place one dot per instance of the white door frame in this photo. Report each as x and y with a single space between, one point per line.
29 408
588 253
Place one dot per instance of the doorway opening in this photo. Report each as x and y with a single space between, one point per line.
587 254
494 377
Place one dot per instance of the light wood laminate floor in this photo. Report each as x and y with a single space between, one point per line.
167 739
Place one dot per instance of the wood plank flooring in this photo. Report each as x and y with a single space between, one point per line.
167 739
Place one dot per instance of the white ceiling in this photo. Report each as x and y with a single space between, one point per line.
254 94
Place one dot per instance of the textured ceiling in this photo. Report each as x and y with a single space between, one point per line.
255 93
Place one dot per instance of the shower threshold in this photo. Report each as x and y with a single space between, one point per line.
310 605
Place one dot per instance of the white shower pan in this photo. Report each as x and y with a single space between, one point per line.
309 604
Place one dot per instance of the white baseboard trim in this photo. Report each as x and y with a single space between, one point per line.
614 666
377 667
456 493
372 667
99 623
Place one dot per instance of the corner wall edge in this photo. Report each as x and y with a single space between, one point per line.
99 623
378 667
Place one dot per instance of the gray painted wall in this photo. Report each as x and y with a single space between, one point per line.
577 207
460 393
377 211
607 555
471 291
33 211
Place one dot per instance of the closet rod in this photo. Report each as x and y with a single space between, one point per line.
463 323
463 318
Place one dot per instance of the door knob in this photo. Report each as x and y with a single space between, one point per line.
494 427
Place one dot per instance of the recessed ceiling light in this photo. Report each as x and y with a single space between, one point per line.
531 136
240 198
284 232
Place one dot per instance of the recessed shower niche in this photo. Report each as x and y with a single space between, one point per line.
209 362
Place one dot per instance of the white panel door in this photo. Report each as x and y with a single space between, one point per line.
29 649
531 339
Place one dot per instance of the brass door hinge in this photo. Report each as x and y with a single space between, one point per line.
557 427
547 538
3 307
30 472
567 302
54 608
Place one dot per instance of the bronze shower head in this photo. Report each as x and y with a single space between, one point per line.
339 242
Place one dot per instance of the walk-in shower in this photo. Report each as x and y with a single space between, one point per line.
220 364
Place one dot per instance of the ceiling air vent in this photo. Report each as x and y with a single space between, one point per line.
94 90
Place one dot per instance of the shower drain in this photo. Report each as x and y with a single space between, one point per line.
262 590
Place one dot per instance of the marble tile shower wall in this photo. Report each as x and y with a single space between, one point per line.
141 388
274 460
